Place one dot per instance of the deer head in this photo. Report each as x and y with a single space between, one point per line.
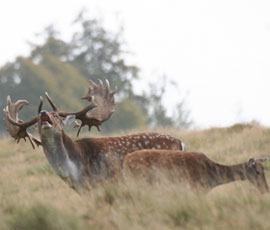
255 174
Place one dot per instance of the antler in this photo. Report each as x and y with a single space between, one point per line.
79 115
16 127
103 98
100 109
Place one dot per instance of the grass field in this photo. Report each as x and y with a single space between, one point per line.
33 197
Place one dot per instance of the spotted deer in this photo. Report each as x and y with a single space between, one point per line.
193 168
86 159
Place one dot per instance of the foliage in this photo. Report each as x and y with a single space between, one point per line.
127 115
158 116
99 54
64 68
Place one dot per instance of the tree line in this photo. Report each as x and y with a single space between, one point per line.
64 68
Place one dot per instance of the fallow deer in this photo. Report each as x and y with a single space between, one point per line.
87 159
193 168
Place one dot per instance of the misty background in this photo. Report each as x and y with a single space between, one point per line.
176 63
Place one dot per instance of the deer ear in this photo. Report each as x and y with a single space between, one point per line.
251 162
69 120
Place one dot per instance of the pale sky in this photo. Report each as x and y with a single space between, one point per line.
218 52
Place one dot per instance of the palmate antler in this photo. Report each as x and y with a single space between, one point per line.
104 99
16 127
100 109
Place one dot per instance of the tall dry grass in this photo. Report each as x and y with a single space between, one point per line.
33 197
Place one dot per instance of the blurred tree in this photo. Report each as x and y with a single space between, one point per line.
157 112
99 54
53 45
127 115
27 80
64 69
181 116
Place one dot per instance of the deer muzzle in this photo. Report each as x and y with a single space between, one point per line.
45 119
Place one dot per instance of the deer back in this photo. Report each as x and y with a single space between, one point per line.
110 151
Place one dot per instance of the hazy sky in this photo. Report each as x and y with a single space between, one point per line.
217 51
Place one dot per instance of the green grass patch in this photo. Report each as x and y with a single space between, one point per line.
41 217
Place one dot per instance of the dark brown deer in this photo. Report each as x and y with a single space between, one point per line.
193 168
88 158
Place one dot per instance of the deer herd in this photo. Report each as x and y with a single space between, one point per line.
142 155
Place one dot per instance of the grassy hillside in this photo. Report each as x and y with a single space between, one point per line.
33 197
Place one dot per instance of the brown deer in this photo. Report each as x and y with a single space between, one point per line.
92 159
193 168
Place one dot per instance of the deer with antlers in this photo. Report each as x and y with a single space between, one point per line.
87 159
193 168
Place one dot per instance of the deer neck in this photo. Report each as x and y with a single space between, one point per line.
57 155
226 174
